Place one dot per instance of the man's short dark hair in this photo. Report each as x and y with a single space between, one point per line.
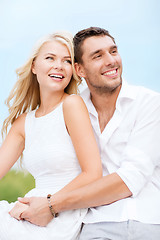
84 34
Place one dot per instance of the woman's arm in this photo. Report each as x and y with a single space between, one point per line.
12 146
79 127
10 151
80 130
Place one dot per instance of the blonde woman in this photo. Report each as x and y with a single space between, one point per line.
51 127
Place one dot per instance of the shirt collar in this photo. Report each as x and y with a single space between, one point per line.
87 99
127 93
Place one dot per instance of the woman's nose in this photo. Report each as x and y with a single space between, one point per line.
57 64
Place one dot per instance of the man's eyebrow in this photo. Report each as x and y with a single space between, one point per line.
95 52
101 50
113 47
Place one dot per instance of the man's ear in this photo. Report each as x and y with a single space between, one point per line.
79 70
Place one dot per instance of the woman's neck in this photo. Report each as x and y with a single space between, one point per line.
50 102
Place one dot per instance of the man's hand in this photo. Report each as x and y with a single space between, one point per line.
37 212
17 210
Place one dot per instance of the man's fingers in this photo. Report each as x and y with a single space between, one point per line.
24 200
23 215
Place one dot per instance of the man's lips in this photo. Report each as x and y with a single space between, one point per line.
111 73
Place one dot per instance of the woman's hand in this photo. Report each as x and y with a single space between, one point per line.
17 210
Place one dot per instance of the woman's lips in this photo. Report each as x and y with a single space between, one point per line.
56 77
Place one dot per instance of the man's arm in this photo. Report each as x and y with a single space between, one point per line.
101 192
104 191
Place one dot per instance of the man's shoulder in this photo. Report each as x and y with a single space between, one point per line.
142 92
146 98
148 95
149 91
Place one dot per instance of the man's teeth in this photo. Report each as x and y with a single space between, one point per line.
56 76
110 72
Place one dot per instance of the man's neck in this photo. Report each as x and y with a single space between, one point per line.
105 105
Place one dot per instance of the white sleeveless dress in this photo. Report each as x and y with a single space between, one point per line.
50 157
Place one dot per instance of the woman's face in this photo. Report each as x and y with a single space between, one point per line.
53 66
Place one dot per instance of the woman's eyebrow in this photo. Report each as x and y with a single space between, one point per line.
52 54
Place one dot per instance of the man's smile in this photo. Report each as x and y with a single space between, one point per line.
111 73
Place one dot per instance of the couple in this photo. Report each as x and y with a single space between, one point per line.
51 126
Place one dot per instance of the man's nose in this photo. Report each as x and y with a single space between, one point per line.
109 59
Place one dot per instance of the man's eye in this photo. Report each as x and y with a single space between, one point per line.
114 51
97 56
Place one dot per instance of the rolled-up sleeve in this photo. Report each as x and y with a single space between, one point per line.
142 152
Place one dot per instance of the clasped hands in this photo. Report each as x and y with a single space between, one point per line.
17 210
34 210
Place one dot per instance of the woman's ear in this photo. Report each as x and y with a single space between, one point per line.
79 70
33 68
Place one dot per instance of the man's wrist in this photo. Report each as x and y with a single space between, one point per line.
54 214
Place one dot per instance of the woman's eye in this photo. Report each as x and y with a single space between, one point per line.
49 58
68 61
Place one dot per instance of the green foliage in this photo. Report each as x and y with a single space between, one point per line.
15 184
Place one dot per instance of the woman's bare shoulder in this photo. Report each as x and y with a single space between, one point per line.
73 101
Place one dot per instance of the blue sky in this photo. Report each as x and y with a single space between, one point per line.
134 24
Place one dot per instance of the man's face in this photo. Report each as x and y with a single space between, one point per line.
101 64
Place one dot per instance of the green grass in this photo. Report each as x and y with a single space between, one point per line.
15 184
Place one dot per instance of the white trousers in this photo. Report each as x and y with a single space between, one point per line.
130 230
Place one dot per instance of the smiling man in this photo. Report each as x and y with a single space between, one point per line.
126 122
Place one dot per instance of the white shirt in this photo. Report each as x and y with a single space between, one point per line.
130 146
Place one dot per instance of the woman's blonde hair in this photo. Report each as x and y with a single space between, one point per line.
25 95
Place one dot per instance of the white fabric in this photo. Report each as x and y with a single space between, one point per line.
130 146
50 157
